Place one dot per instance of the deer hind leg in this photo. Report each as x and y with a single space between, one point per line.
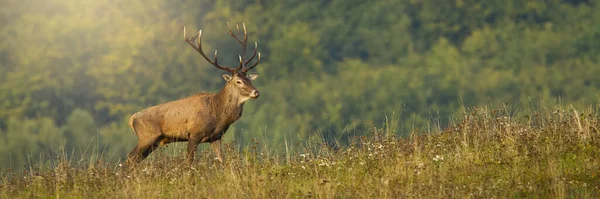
157 143
142 150
148 140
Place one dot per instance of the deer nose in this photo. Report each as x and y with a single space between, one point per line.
254 94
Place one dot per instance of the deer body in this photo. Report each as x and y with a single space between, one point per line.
199 118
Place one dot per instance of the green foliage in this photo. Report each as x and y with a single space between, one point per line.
115 140
80 130
335 67
25 141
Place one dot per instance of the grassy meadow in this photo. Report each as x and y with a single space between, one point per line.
359 99
484 153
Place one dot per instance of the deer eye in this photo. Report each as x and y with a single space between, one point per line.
239 82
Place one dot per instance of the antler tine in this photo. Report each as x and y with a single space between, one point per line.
199 49
199 37
251 67
233 35
245 34
242 42
254 54
216 55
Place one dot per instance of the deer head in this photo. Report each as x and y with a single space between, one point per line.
238 81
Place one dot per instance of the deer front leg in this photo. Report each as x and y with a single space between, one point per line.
216 146
191 149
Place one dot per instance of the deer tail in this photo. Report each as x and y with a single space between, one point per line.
132 122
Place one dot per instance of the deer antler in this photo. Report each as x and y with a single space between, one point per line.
254 55
198 48
243 42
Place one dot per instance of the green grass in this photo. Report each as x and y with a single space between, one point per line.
485 154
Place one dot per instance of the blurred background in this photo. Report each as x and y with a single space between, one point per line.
73 71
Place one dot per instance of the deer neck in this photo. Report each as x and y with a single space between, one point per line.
228 100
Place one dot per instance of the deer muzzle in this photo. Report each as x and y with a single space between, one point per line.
254 94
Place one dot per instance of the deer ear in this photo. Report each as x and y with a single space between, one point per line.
252 76
226 77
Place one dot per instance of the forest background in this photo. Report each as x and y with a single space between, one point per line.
73 71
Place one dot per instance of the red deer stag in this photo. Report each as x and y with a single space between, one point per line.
199 118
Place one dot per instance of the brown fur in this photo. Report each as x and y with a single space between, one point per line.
203 117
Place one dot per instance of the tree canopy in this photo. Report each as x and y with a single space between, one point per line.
75 70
